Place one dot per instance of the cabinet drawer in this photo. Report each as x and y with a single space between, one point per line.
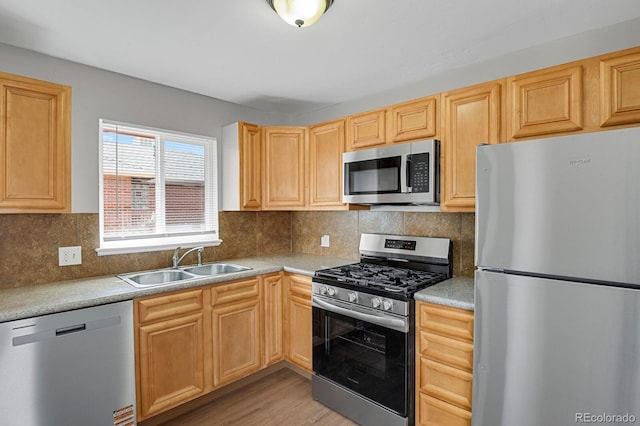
449 351
434 412
446 383
451 322
170 305
300 286
235 291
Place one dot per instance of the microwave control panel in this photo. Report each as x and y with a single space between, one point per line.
419 172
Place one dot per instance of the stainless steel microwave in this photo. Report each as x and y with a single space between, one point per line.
407 173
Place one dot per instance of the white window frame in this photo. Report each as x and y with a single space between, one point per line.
159 242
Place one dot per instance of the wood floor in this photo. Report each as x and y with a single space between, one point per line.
282 398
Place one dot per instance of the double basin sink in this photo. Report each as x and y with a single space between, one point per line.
161 277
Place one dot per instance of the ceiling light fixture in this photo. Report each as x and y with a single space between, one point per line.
300 13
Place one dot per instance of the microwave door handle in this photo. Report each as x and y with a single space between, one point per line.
408 172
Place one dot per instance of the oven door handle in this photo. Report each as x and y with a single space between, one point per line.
393 323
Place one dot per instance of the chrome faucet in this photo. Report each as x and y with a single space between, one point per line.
176 260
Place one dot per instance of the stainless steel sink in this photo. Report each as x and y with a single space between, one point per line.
216 269
155 278
161 277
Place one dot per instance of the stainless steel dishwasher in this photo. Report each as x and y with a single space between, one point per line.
70 368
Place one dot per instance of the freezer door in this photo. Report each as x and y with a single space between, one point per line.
551 352
566 206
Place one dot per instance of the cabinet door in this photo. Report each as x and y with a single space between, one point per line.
413 120
366 130
299 321
236 330
250 166
326 145
35 146
546 101
236 341
471 117
170 350
273 318
171 363
285 169
620 90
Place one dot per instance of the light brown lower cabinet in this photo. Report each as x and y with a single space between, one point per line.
191 342
299 321
170 350
444 365
273 308
236 330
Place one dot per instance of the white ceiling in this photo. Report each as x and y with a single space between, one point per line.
241 51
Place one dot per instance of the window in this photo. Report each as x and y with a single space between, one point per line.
158 189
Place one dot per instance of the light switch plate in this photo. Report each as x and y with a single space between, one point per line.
69 255
324 241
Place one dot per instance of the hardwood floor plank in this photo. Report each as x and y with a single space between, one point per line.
282 398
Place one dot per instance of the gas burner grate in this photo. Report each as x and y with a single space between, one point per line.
387 278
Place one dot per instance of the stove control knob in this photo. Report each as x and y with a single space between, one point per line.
331 291
386 304
375 302
323 290
353 296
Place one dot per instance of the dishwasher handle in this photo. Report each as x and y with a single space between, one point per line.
71 329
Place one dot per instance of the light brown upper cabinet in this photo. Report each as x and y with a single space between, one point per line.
366 130
35 146
413 120
242 167
326 145
471 116
544 102
620 90
285 168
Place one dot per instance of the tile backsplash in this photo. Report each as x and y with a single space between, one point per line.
29 245
29 242
344 229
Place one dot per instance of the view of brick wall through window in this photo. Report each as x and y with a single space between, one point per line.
133 204
184 203
130 176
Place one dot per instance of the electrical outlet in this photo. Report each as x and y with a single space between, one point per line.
324 241
69 255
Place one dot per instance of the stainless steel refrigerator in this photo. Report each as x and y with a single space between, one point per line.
557 285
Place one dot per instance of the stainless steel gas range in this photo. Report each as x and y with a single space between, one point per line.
363 327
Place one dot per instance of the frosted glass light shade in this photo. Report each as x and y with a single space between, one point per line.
300 13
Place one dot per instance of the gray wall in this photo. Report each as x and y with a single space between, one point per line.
592 43
102 94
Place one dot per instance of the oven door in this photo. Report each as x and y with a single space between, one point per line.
368 359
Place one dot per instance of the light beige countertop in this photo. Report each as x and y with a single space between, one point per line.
25 302
456 292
